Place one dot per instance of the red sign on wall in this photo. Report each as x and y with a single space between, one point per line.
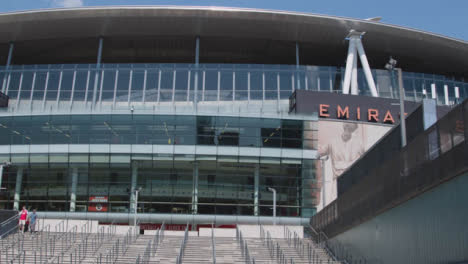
98 204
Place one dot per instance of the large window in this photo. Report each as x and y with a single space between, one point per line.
157 129
225 185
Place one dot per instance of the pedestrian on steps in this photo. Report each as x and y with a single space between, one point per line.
23 214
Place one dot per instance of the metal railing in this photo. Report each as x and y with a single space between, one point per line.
430 158
158 238
146 255
182 246
120 246
336 250
213 243
152 84
273 247
244 247
66 240
6 226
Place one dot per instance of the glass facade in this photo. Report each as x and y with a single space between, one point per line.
158 130
225 184
76 86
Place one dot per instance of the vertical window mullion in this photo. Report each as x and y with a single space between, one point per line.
87 87
173 84
116 82
233 85
8 82
219 85
32 89
203 86
73 88
45 90
188 85
130 87
143 97
263 87
59 88
248 86
101 87
19 89
278 87
159 85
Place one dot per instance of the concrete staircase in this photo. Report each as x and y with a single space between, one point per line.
259 251
198 250
227 250
168 250
135 249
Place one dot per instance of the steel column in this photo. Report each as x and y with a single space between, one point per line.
446 94
298 86
354 75
7 66
19 180
433 91
197 62
1 175
256 189
195 189
46 85
366 68
402 108
349 65
74 183
133 205
32 89
96 77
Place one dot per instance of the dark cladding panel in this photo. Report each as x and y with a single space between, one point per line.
3 101
4 48
251 51
55 51
160 49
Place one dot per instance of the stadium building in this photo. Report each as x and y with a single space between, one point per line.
202 113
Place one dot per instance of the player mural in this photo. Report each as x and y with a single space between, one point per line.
340 145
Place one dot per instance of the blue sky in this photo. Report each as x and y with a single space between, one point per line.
443 17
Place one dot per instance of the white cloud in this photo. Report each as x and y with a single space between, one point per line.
67 3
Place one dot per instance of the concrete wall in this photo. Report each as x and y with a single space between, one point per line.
218 232
430 228
253 231
67 224
175 218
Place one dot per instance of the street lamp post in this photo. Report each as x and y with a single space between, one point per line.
274 204
136 206
390 66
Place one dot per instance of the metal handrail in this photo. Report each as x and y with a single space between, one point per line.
147 253
158 238
335 249
244 248
67 239
182 246
60 226
213 243
14 217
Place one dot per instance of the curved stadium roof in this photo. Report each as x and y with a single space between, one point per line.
415 50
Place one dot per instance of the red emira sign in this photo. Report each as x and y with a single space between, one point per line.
348 107
98 204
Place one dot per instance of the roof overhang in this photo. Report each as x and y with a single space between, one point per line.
442 54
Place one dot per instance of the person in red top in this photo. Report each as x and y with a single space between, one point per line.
23 216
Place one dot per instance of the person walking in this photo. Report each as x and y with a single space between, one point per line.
32 221
23 214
